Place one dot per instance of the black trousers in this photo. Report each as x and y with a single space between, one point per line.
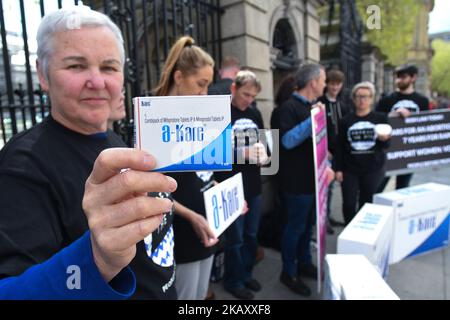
401 181
357 190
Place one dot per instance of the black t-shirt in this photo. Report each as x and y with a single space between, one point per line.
191 186
297 164
42 177
245 125
414 102
358 150
154 263
275 118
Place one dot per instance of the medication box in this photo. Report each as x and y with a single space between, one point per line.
421 219
185 133
369 234
353 277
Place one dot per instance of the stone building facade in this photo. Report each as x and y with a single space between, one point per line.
271 38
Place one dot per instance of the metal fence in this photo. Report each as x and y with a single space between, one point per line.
350 35
149 28
345 22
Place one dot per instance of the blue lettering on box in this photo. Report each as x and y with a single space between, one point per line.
189 134
426 223
421 224
165 133
230 202
216 212
183 133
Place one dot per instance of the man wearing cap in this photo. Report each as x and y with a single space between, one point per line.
403 102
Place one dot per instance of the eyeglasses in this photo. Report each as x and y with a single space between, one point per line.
363 97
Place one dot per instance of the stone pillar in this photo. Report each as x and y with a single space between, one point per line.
312 31
368 67
420 53
245 26
389 80
373 70
379 81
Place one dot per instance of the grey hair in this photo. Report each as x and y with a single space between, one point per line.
306 73
364 85
70 18
246 76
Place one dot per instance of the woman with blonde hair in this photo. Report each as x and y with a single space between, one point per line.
189 71
360 154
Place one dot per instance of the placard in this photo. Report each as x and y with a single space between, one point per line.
224 203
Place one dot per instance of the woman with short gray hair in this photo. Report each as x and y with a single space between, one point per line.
67 233
364 85
360 151
72 18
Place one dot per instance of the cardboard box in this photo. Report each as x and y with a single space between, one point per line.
421 219
369 234
353 277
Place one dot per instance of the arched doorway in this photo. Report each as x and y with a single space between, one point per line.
284 51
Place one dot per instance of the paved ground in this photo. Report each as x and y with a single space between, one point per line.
422 277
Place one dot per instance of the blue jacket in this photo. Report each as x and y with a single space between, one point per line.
299 133
69 274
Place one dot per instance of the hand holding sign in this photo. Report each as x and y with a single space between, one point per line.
203 231
339 176
245 208
402 112
318 105
330 175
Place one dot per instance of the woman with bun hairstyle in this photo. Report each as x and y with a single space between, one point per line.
189 71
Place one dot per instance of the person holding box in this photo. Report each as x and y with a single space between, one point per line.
189 71
72 218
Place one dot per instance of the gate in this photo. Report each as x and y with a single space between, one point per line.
149 28
346 54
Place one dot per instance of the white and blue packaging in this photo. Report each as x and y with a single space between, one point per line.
370 234
421 219
185 133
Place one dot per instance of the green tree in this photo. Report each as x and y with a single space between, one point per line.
440 67
397 22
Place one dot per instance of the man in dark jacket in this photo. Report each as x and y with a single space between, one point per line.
297 176
337 105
